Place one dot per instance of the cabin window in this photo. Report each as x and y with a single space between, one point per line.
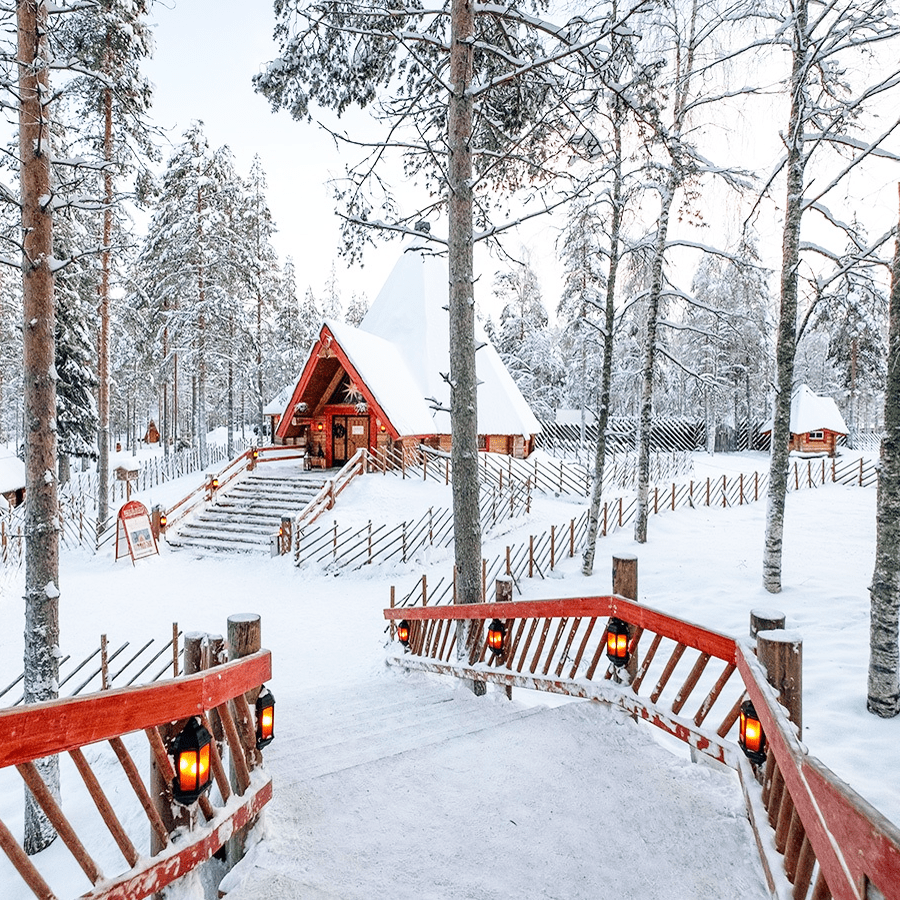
816 436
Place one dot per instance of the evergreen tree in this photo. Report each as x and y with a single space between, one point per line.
356 311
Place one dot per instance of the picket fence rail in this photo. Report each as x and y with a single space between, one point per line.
541 552
811 828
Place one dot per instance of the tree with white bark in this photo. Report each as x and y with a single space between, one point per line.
884 628
831 132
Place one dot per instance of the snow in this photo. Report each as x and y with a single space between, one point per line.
12 472
529 807
810 412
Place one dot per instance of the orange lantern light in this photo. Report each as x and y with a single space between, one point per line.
163 521
496 637
320 426
383 428
265 718
255 453
193 772
403 632
617 642
215 482
752 739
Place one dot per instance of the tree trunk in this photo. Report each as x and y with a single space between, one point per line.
884 651
463 390
39 325
786 346
646 414
615 228
103 340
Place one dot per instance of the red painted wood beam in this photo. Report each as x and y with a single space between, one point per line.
56 726
852 841
175 861
719 645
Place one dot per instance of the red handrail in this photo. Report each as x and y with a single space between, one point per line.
853 843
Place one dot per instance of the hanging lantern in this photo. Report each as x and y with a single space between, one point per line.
496 637
403 632
752 740
320 426
255 453
617 642
383 428
215 482
265 718
163 521
193 773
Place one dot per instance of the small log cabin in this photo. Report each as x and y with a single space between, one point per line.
12 479
380 386
816 423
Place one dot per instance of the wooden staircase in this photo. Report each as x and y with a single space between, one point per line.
244 518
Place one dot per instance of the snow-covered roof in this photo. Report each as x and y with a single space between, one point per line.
810 412
12 472
275 407
410 312
387 376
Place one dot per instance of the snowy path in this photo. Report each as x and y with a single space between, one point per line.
405 787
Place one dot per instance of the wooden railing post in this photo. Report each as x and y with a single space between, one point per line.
286 535
503 593
781 654
625 584
244 638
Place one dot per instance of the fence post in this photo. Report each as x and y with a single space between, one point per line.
508 561
370 542
244 638
530 555
765 620
571 537
755 486
503 593
286 535
552 547
484 580
781 654
393 601
424 589
625 584
860 471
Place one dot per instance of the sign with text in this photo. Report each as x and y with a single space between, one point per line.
134 536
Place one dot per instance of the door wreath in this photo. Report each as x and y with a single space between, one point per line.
339 431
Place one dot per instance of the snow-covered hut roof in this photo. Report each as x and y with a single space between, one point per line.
385 373
810 412
275 407
12 472
410 312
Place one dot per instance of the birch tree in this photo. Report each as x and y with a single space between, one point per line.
884 626
828 135
473 99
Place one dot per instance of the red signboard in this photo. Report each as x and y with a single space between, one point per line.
134 536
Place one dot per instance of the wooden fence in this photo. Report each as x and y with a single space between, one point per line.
690 682
542 552
117 665
217 697
344 547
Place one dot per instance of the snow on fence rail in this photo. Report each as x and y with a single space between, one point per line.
178 841
810 826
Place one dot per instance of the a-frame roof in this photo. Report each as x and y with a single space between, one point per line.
411 311
399 352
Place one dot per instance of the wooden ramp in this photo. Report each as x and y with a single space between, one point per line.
406 787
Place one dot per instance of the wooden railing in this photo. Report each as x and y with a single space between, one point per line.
242 463
690 682
69 726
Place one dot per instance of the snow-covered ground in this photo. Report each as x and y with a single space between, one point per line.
326 631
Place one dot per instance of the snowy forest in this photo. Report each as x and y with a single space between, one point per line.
201 324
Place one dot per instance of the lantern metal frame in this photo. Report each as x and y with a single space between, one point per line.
754 748
496 637
403 632
616 648
194 739
265 731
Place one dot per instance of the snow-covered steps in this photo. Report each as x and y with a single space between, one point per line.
246 515
409 787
